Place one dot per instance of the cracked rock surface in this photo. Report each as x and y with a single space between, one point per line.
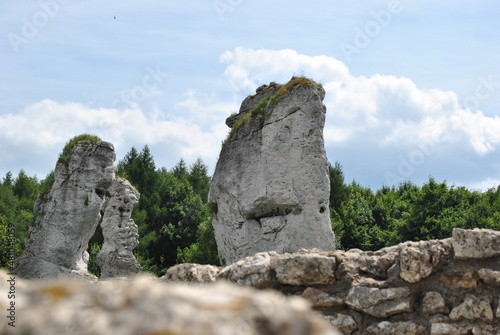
270 189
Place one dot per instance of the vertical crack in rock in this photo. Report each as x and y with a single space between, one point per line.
274 164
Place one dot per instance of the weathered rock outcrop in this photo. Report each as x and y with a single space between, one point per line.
145 305
270 189
449 286
67 217
119 231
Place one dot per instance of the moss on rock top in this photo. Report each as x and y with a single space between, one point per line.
259 109
65 154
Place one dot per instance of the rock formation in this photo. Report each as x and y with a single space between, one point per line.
438 287
270 189
145 305
67 216
119 231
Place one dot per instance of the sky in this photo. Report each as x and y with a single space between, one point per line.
412 87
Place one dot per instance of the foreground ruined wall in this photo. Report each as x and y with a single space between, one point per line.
145 306
67 217
438 287
270 188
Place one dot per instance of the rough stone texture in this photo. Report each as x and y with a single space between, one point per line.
148 306
465 279
380 303
419 259
391 328
270 189
305 269
366 268
253 271
343 322
489 276
194 273
320 298
477 243
433 302
441 328
366 293
473 308
68 215
119 231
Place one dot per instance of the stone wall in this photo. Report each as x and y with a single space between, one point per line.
449 286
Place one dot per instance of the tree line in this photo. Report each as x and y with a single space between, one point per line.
174 218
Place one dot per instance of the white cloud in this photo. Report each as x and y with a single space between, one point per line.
486 184
375 125
383 110
44 127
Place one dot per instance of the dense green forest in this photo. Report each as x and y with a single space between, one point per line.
174 218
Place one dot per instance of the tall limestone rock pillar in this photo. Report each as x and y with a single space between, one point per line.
68 215
270 189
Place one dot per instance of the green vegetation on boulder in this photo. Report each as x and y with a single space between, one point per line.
65 154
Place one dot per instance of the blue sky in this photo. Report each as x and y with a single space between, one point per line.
413 87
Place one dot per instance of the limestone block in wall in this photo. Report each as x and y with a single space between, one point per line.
380 302
419 259
191 273
433 302
473 308
320 298
305 269
444 328
355 265
476 243
391 328
343 322
485 330
489 276
251 271
463 279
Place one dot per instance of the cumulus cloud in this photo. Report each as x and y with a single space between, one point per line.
383 119
377 126
385 110
41 130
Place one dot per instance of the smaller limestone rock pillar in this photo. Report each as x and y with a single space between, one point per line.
119 231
